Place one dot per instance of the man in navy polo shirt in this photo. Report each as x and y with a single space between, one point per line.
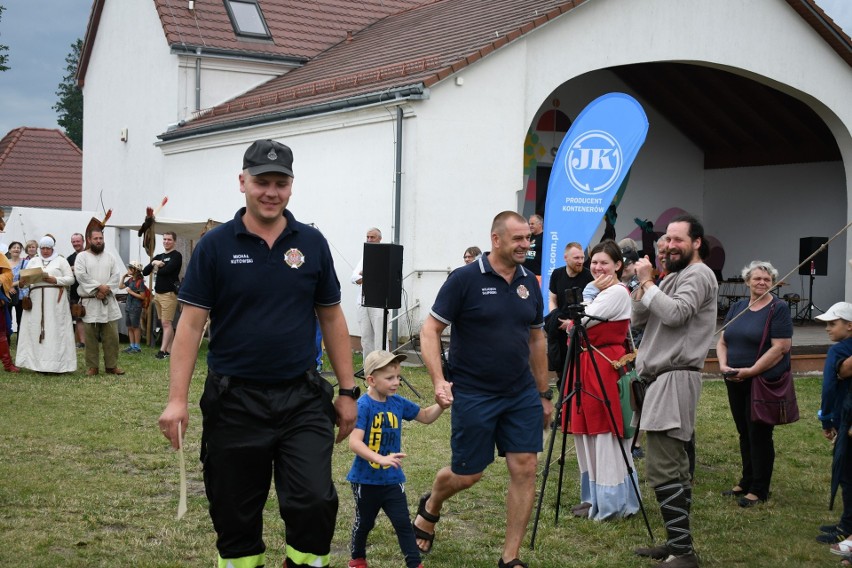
497 378
264 279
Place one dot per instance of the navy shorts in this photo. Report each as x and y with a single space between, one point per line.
481 421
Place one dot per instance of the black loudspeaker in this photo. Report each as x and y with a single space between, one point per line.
808 246
381 286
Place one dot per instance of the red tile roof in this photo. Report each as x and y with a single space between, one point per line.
40 167
825 27
300 29
418 46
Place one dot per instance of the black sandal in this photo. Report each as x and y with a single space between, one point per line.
429 518
511 563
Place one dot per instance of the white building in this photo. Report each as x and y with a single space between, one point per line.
426 120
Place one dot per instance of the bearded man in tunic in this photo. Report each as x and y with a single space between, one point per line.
97 274
679 317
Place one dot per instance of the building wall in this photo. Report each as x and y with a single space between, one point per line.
344 181
761 213
127 86
463 146
766 41
221 80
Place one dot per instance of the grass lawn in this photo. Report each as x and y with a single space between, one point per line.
86 479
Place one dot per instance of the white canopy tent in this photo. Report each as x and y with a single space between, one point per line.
188 231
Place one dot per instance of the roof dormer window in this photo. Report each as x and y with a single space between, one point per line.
247 18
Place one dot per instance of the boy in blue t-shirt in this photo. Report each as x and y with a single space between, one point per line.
376 472
836 411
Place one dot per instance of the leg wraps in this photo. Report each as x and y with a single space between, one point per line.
675 501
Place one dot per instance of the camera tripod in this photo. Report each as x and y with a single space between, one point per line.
572 378
807 312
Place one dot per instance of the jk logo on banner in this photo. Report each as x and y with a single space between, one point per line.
593 162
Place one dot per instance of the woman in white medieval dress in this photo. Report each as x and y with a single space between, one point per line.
45 336
605 488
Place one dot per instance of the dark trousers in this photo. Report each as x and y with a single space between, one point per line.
252 432
557 344
846 488
369 500
757 449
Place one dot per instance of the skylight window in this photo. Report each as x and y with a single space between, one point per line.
247 18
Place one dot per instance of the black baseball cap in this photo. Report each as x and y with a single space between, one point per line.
265 156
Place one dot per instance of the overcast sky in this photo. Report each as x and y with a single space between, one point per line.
40 33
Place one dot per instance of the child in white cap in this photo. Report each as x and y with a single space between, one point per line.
376 473
836 416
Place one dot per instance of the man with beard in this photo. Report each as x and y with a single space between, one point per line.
97 274
572 275
78 242
497 379
679 318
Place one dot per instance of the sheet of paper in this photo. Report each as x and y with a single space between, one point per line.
182 500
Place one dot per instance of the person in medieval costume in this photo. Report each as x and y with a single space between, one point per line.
98 274
679 317
6 279
45 339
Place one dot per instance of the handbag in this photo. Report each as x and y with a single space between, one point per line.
78 310
773 402
628 384
27 303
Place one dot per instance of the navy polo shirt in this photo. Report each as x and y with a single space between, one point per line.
491 319
261 300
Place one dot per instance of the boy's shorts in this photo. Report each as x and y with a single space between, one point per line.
132 315
480 421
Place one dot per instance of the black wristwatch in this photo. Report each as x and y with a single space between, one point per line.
548 394
354 392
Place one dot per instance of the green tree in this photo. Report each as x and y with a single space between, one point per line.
4 49
70 103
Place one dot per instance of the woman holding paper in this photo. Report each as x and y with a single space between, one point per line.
45 339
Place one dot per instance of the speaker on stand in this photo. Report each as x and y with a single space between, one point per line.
818 266
381 286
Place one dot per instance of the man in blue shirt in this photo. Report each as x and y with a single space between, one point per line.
497 378
262 279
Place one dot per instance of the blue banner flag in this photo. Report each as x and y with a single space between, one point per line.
589 167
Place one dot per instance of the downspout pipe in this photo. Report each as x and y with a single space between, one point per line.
198 80
396 208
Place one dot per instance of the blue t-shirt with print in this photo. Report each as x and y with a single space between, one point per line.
382 426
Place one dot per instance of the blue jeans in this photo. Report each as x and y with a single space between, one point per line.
369 499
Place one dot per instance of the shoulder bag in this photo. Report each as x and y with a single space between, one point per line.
629 388
773 402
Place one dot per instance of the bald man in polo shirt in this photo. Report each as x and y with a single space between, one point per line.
497 379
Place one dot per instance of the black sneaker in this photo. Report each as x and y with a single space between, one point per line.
161 355
827 528
830 537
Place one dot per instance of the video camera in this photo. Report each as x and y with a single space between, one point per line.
573 307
